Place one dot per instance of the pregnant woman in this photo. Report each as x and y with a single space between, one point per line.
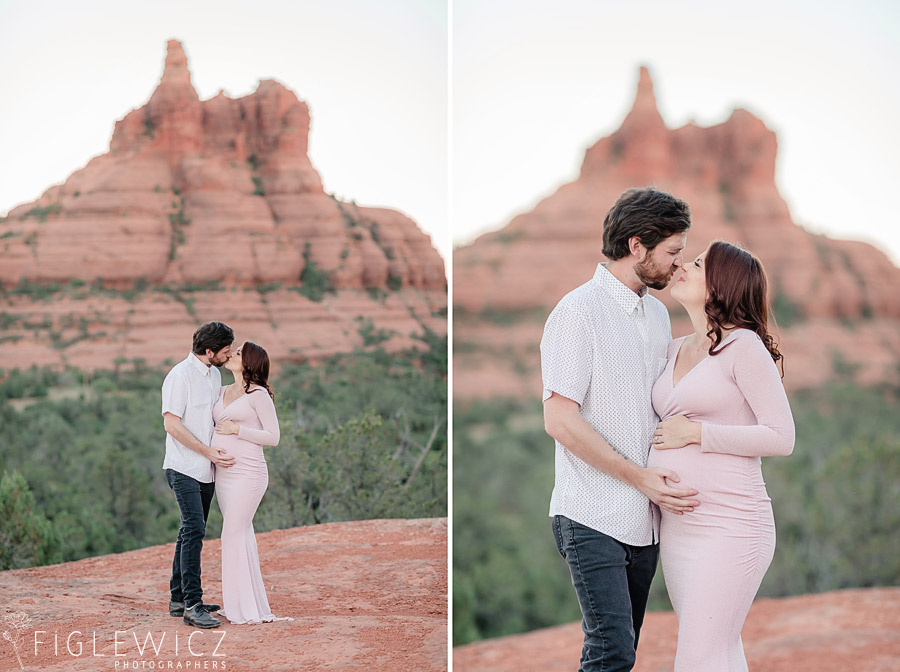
722 406
245 422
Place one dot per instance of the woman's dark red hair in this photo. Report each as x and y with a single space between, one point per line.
737 295
256 367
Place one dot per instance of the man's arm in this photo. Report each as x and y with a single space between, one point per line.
563 421
180 433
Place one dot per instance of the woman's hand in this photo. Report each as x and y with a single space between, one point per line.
227 427
676 432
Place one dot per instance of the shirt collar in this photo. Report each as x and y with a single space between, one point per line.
200 366
624 296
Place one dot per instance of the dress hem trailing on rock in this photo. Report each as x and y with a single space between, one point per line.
240 489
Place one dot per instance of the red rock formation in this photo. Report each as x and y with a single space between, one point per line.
810 633
382 608
836 299
217 192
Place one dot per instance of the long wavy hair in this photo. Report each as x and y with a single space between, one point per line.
737 294
256 367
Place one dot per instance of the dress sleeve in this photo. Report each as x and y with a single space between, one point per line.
270 434
566 353
756 375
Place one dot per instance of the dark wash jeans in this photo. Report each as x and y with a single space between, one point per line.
612 581
193 499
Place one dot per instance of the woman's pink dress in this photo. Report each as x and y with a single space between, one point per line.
239 489
714 558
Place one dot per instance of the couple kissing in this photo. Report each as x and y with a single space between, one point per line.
658 441
214 445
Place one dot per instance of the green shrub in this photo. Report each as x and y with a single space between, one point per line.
372 336
27 538
314 281
92 461
36 291
42 212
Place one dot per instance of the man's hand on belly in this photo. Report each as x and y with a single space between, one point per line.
652 482
219 457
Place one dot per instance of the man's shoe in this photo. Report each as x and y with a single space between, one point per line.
199 618
177 608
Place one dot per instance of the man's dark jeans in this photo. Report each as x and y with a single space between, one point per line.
612 581
193 499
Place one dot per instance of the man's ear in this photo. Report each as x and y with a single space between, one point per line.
636 247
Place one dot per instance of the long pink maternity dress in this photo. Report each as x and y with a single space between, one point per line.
239 489
714 558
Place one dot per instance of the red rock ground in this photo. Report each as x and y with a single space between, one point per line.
368 595
841 631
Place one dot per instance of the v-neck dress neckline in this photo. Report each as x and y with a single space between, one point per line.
690 370
698 364
245 394
226 406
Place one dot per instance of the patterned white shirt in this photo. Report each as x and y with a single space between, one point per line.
189 391
603 347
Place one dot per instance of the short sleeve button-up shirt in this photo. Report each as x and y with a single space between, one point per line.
603 347
189 391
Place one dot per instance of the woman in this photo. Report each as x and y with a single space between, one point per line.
722 406
245 422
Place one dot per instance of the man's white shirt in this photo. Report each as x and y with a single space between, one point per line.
189 391
603 347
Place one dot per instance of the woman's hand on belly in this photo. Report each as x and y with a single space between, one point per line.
227 427
676 432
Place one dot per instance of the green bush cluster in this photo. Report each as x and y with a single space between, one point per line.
258 189
178 220
42 212
372 335
363 436
32 382
314 281
27 538
367 439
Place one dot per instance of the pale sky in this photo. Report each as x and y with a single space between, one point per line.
373 73
536 83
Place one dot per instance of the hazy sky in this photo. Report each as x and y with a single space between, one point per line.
535 83
373 73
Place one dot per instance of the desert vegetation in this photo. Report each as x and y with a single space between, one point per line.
364 435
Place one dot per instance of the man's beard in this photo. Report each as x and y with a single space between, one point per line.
214 360
653 277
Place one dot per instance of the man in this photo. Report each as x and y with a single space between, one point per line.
188 394
603 347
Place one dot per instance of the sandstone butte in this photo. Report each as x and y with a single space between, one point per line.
837 302
206 210
367 595
840 631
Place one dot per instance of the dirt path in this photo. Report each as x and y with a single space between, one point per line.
368 595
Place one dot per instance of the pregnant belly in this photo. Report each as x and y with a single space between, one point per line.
726 479
247 455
